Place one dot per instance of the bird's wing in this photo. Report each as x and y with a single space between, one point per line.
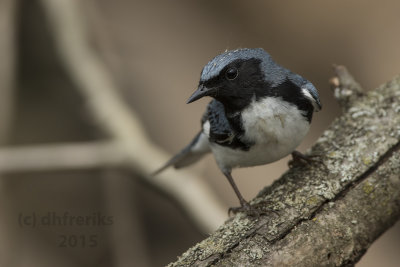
190 154
220 129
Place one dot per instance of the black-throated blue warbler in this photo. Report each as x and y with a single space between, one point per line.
260 113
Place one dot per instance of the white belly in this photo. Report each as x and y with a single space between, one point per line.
274 126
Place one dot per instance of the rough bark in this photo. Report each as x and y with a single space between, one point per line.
327 213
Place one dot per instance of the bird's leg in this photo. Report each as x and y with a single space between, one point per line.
243 202
251 210
244 205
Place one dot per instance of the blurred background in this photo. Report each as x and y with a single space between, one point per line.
155 51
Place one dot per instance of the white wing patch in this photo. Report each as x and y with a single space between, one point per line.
202 145
307 94
206 128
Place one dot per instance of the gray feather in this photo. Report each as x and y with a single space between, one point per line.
188 155
215 65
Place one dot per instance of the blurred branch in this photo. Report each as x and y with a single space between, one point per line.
7 64
8 27
59 157
346 90
128 242
117 120
327 213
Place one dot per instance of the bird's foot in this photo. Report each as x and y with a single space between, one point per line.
299 159
245 208
255 210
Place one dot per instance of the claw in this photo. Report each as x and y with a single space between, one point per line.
255 210
301 159
245 208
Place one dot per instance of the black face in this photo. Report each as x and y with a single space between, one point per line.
243 81
236 84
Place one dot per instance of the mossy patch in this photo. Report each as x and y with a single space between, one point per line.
368 188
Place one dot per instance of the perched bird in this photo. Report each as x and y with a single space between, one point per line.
260 113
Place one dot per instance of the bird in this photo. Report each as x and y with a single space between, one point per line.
259 113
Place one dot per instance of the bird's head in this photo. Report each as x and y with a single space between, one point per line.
238 77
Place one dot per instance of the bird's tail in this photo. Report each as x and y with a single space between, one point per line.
189 155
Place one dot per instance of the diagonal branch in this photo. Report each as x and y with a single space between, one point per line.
119 122
323 214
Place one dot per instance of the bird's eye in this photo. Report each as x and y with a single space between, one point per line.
231 73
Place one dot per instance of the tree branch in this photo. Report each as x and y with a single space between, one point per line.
55 157
346 90
117 120
323 214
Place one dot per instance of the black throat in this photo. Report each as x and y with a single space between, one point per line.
291 93
286 90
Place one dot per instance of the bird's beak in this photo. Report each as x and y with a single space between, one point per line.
199 93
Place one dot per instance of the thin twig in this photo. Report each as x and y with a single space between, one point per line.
345 88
